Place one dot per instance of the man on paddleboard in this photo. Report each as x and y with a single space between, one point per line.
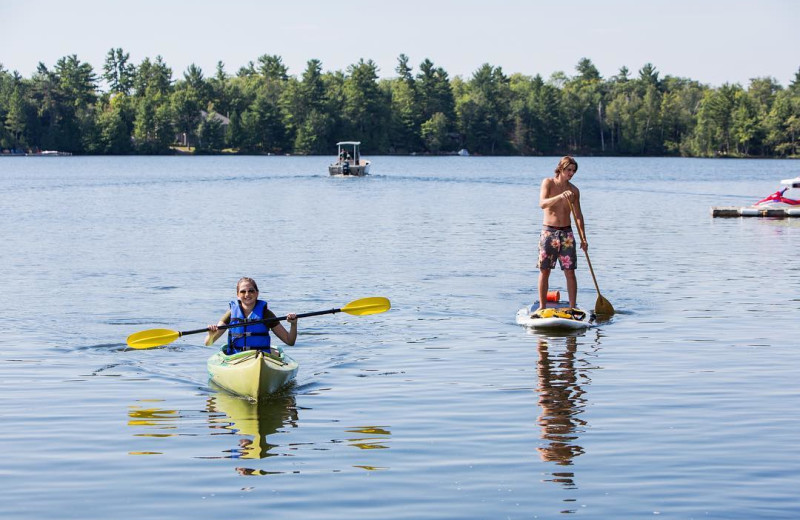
557 241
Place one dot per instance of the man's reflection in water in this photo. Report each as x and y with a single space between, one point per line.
561 400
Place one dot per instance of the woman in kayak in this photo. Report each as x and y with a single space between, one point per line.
247 307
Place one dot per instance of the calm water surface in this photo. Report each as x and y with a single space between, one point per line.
685 405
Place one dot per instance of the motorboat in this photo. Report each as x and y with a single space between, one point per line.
348 160
779 199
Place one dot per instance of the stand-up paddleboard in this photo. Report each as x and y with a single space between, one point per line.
557 315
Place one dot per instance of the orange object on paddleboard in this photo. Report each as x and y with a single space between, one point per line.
553 296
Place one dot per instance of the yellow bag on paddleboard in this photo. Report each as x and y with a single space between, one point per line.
562 312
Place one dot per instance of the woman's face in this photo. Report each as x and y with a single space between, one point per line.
247 294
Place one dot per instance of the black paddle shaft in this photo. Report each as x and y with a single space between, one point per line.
265 320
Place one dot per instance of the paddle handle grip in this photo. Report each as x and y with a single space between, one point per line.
265 320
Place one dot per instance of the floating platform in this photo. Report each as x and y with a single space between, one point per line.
732 211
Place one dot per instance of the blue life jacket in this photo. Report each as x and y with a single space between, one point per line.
248 337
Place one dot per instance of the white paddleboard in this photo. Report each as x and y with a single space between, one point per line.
524 318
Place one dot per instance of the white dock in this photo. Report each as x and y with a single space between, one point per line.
732 211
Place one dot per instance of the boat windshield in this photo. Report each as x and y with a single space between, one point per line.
791 183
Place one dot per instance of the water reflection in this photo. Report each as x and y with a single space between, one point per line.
154 418
562 401
151 421
251 423
370 438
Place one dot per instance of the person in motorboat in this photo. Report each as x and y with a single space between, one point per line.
247 307
557 241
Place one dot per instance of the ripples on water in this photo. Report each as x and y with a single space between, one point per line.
684 405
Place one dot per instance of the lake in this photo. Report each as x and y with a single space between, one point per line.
685 405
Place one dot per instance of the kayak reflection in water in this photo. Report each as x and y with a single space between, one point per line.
255 428
247 307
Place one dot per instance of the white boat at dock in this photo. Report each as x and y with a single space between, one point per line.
783 198
782 203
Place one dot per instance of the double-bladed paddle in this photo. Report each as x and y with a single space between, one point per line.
159 337
602 307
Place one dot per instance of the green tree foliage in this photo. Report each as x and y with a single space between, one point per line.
265 109
153 130
217 94
262 127
406 116
366 107
483 111
435 92
582 105
271 67
308 111
77 81
783 122
680 102
117 72
194 82
152 77
713 134
211 134
15 119
114 127
64 97
186 107
434 132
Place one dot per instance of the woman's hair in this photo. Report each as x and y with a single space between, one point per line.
246 279
564 162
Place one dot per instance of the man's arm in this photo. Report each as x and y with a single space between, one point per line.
576 206
546 198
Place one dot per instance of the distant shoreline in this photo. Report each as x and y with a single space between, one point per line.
261 109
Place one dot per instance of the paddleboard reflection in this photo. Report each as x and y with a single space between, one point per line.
562 401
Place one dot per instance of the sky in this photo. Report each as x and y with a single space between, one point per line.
711 41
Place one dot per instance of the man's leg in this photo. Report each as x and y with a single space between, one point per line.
544 285
572 286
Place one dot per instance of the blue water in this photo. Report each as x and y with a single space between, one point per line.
685 405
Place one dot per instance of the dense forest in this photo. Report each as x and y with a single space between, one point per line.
262 109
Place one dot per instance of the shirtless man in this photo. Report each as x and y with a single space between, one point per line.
557 241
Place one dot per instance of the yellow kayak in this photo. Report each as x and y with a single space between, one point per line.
252 374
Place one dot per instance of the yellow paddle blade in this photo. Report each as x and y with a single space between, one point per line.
152 338
603 307
364 306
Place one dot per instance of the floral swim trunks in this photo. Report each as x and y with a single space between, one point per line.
557 244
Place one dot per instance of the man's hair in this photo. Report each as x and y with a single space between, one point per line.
564 162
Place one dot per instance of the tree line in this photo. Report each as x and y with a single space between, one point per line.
262 109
